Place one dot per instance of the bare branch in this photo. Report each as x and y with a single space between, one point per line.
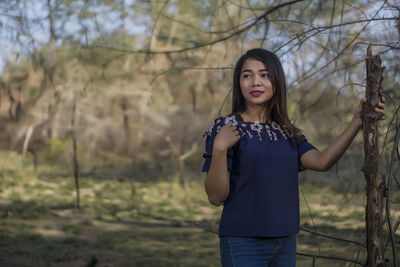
187 68
329 258
389 185
197 46
312 220
332 237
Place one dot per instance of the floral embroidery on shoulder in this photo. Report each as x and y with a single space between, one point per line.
257 127
263 131
219 122
271 131
231 119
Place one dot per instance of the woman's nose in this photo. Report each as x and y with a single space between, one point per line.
257 81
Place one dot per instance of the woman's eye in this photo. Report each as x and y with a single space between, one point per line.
265 75
246 76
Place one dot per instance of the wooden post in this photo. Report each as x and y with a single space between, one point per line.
375 184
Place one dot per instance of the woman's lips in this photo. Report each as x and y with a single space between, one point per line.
256 93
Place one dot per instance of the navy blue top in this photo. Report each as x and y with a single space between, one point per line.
263 198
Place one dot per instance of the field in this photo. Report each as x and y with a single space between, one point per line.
128 222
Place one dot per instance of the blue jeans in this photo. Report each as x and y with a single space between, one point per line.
256 251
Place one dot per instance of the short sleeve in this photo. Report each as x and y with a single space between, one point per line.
209 142
302 147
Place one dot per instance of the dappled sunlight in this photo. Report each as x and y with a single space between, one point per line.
49 233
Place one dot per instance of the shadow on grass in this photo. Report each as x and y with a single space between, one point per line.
31 209
45 239
113 244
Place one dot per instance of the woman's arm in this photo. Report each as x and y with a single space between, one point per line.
322 161
217 180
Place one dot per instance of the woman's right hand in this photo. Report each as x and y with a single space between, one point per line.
227 137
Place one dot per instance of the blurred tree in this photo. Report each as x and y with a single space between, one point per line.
146 70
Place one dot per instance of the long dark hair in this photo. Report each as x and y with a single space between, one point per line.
276 107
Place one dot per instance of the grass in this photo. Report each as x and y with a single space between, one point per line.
127 222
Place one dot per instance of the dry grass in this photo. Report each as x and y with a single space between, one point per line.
124 222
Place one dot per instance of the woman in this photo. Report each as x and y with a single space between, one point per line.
252 161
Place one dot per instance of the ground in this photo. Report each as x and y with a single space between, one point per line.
124 222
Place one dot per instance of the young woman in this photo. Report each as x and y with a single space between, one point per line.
252 161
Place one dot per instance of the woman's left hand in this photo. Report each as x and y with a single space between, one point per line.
380 108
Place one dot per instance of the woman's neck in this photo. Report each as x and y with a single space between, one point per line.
253 114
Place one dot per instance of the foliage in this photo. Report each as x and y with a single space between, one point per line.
147 78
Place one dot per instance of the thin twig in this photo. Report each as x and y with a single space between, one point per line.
329 258
223 103
186 68
256 20
389 185
312 220
390 123
358 255
332 237
204 228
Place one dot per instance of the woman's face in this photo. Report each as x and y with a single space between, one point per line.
255 84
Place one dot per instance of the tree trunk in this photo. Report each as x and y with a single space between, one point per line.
127 131
375 184
75 154
177 152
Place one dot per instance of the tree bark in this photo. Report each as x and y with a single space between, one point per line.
374 181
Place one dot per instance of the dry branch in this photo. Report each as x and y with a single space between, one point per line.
375 184
391 232
329 258
332 237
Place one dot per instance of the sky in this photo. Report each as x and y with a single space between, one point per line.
108 21
37 13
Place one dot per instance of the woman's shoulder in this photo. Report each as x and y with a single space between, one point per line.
219 122
234 118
